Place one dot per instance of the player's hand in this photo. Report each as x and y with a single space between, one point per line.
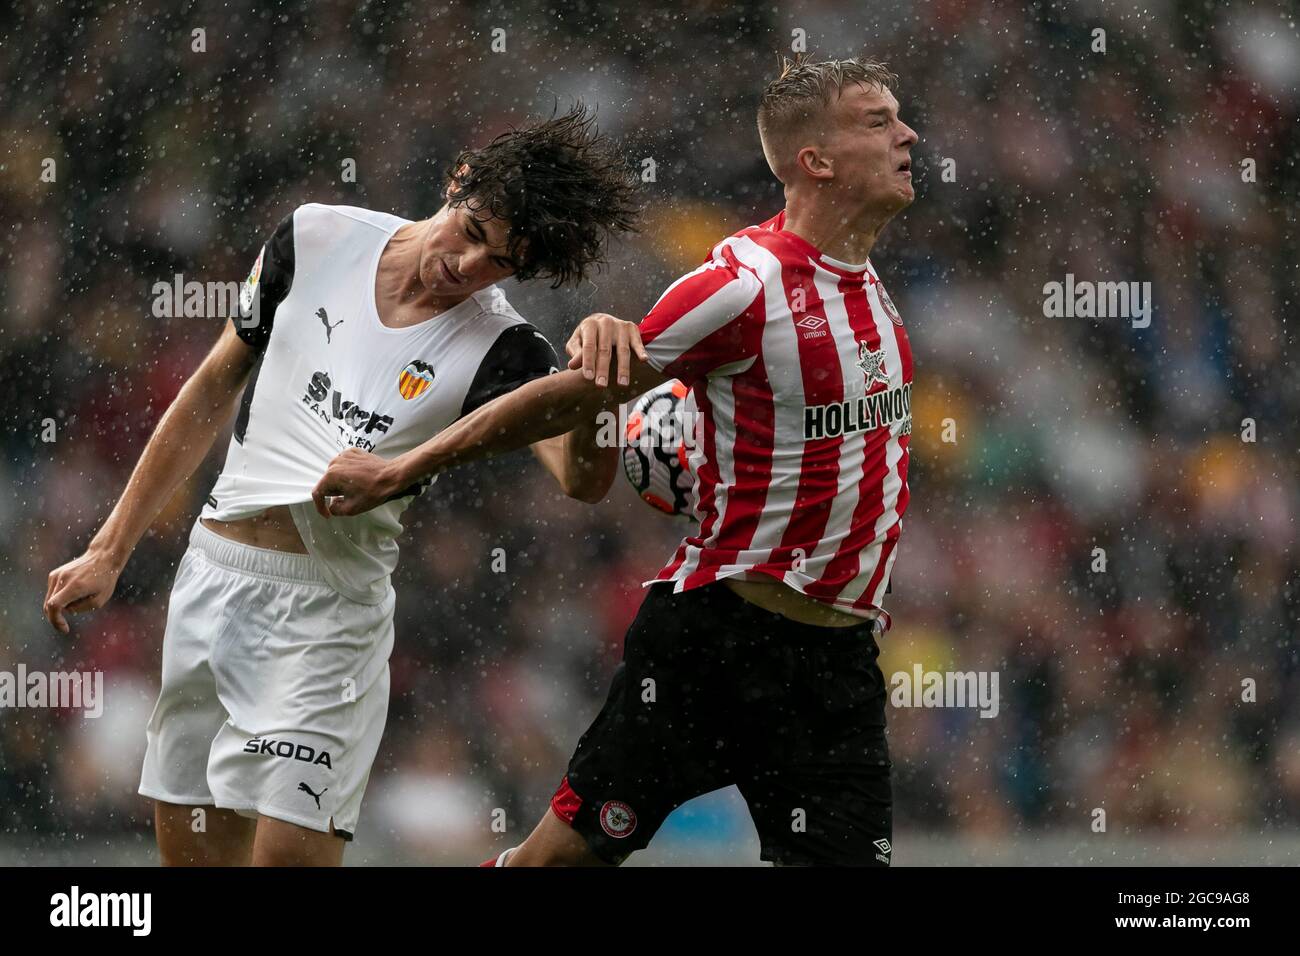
355 482
81 585
596 338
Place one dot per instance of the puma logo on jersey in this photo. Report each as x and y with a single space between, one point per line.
325 319
313 794
415 379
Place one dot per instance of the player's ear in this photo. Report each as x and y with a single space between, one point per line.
451 189
811 162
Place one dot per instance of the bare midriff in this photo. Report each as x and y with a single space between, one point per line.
784 600
272 529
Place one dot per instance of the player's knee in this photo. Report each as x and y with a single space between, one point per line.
554 843
554 856
202 836
280 843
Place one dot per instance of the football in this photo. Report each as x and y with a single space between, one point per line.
656 449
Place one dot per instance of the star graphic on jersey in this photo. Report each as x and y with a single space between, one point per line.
872 364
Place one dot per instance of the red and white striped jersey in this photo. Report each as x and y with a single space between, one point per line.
802 375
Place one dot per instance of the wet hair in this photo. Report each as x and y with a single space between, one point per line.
559 187
801 93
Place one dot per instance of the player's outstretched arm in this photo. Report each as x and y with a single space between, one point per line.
580 466
357 481
183 437
584 468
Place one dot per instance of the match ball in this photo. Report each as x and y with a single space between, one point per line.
656 449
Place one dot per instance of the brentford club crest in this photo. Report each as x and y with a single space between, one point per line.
890 309
617 818
872 363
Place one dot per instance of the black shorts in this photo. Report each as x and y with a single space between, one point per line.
714 691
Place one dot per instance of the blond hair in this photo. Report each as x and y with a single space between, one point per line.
799 96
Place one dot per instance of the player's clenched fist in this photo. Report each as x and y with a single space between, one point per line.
354 482
81 585
595 339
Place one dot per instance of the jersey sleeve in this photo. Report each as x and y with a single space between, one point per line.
266 287
706 320
519 355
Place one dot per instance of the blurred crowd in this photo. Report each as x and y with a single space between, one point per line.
1104 515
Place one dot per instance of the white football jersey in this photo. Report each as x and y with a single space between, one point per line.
331 376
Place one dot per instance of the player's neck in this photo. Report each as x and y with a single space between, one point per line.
847 238
400 297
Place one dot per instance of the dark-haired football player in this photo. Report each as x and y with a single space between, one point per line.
359 330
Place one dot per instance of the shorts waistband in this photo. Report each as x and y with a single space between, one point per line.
771 622
247 559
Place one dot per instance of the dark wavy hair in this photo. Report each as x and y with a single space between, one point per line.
559 187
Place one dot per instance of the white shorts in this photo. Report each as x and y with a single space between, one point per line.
274 688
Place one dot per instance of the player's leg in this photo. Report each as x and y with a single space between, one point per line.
817 776
553 843
202 836
654 745
828 810
185 720
280 843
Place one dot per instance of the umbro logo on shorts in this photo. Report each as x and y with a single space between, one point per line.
288 750
617 818
884 848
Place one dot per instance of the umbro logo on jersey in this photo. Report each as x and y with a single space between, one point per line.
415 379
814 326
325 320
